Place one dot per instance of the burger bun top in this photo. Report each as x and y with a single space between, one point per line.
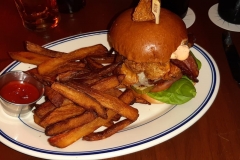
146 41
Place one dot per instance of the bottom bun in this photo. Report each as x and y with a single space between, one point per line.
150 99
147 98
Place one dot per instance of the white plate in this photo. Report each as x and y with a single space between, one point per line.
190 18
156 124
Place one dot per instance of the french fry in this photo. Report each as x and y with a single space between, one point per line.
108 132
108 124
32 47
80 98
105 59
105 71
46 80
70 123
50 65
109 101
116 118
55 97
115 92
61 113
66 76
87 81
108 83
93 65
128 96
29 57
71 66
43 109
110 58
67 102
66 138
36 119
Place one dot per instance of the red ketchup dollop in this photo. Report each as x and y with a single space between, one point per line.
19 92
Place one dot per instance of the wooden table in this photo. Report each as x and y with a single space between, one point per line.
215 136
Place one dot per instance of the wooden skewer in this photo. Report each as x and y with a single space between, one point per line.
156 5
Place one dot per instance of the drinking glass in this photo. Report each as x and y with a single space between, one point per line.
38 15
229 10
179 7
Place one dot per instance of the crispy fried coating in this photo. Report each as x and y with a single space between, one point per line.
143 11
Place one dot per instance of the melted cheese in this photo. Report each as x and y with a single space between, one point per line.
143 79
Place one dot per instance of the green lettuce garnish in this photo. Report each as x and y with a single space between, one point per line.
180 92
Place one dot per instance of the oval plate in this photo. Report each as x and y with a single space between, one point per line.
156 123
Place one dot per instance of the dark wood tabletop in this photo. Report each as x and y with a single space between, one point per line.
216 136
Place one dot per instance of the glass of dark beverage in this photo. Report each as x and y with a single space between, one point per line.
38 15
70 6
179 7
229 10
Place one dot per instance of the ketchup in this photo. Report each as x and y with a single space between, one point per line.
19 92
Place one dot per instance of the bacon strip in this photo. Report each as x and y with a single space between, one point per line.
189 67
164 84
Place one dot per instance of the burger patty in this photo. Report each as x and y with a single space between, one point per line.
152 71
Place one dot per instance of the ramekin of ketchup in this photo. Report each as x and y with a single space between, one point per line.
19 92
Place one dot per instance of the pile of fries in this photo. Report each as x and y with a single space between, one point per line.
83 92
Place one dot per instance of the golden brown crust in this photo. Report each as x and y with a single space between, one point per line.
147 41
143 11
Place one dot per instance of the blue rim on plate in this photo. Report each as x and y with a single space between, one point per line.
209 98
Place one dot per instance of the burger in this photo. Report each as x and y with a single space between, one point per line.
158 64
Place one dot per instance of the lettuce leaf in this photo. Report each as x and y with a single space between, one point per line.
199 64
180 92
